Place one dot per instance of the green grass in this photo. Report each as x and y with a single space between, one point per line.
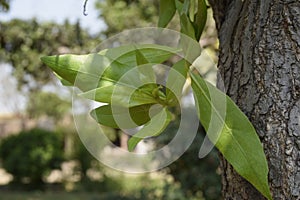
63 196
117 187
48 196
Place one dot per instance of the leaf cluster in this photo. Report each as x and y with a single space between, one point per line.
101 78
192 14
101 75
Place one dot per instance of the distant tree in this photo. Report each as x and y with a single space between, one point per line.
31 155
125 14
4 5
55 107
23 42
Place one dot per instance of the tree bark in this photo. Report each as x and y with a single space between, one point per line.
259 62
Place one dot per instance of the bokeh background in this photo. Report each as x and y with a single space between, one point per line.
41 155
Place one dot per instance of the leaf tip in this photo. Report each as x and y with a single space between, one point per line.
160 24
45 59
49 60
130 147
268 195
132 143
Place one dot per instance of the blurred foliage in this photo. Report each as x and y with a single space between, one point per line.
196 176
8 195
76 150
4 5
158 185
120 15
23 42
112 184
146 189
56 108
29 155
83 156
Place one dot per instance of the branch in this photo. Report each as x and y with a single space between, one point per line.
84 8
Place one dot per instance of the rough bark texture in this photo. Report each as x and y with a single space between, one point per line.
259 62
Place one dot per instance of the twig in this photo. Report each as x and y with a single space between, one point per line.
84 8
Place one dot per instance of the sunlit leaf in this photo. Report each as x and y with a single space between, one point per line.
154 127
232 133
95 70
121 95
83 71
127 54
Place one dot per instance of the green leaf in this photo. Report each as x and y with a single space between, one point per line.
63 81
187 27
122 95
201 17
179 6
146 53
125 61
192 9
85 70
154 127
167 10
185 7
90 71
232 133
127 54
126 117
124 64
175 81
147 73
140 58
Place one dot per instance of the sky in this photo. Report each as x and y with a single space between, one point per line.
56 10
43 10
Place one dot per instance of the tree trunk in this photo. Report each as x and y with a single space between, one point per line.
259 63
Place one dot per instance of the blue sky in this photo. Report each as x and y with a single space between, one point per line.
55 10
43 10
